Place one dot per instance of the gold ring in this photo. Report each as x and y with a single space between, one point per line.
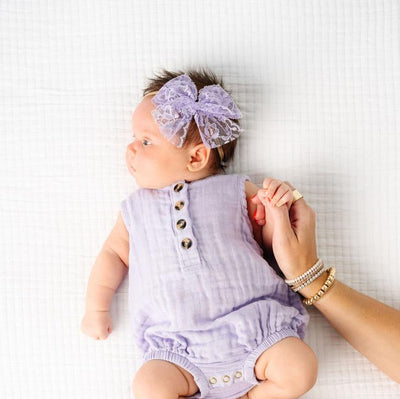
296 196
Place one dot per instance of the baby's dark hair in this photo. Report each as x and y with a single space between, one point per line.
202 77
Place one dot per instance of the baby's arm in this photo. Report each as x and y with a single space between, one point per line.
107 273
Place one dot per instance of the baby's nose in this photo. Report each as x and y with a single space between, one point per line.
131 147
130 153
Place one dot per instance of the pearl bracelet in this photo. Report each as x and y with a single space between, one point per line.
310 280
324 289
306 275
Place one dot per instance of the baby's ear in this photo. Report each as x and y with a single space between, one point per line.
199 156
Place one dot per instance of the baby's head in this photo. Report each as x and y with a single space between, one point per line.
168 143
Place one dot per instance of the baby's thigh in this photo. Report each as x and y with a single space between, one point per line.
288 360
162 379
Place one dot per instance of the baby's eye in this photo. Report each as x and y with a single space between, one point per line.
146 143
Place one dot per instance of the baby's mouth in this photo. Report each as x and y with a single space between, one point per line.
130 167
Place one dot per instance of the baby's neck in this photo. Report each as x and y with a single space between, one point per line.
193 176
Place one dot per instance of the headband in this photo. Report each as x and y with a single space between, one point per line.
176 104
220 150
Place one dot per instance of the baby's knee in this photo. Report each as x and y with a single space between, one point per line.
290 364
140 388
159 379
302 375
144 390
146 387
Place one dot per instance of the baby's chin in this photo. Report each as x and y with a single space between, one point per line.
149 185
154 185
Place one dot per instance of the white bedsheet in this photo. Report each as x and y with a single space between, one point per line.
318 83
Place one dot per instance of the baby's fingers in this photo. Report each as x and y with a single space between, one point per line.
259 214
102 333
97 325
271 186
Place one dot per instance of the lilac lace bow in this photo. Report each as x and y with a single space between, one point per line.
176 105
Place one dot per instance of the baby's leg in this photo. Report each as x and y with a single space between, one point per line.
288 369
159 379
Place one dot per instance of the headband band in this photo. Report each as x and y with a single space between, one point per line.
151 93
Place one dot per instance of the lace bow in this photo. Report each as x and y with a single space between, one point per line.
176 105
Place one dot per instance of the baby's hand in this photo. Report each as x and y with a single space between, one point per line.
276 193
96 324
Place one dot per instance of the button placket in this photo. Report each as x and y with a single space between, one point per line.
182 215
186 241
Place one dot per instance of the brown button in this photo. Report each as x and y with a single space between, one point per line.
179 205
178 187
186 243
181 224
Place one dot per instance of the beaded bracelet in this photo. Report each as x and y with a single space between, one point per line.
306 275
310 280
324 289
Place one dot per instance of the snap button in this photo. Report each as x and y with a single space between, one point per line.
213 380
226 378
181 224
179 205
178 187
186 243
238 374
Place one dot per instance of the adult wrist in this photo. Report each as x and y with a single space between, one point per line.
313 287
310 285
300 269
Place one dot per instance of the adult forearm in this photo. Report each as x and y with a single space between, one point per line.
105 277
370 326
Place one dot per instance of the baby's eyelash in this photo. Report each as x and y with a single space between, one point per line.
144 141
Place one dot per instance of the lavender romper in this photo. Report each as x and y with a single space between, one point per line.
200 293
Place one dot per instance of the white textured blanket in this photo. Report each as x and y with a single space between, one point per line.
318 83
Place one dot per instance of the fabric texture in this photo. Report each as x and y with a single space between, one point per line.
199 288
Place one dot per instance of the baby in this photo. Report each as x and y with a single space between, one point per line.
212 318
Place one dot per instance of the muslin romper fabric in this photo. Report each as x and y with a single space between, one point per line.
200 293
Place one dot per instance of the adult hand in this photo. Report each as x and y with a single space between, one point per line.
293 235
